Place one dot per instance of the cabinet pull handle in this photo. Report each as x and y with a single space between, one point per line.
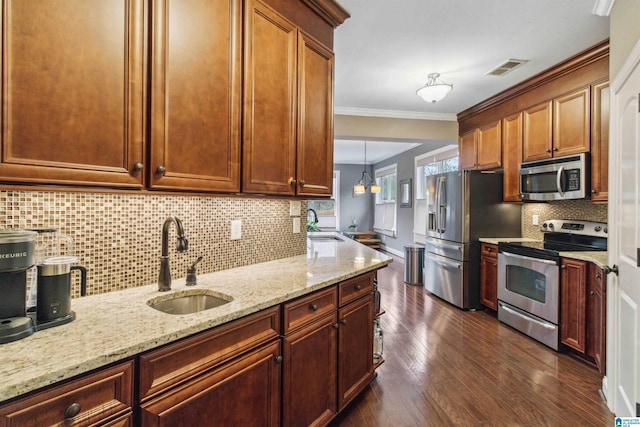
72 410
161 170
314 307
343 321
279 359
138 167
302 183
292 181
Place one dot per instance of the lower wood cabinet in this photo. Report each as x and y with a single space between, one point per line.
101 398
583 309
489 276
242 392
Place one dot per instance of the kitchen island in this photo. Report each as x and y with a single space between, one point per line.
118 325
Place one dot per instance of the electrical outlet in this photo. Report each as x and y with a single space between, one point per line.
535 220
236 229
294 207
296 225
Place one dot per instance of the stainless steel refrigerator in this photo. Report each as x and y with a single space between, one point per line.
462 207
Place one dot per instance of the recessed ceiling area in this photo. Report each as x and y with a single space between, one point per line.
351 151
386 50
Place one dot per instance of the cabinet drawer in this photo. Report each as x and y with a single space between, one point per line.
177 362
489 250
92 399
309 308
352 289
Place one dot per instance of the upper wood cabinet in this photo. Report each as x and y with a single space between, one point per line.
288 107
559 127
600 142
195 95
481 148
512 156
73 92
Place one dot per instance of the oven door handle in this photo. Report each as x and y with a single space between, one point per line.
527 258
527 318
559 181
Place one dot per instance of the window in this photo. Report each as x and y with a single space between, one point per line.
328 210
442 160
384 219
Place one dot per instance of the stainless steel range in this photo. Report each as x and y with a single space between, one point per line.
529 276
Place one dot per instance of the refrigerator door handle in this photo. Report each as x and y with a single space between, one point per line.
437 195
442 205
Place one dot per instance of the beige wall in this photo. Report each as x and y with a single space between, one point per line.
624 33
382 127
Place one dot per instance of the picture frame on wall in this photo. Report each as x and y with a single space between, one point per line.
406 193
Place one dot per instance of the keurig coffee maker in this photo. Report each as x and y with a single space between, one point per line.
16 257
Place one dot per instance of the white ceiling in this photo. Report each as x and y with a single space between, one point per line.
385 51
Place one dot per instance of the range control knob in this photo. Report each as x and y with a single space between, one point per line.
550 225
605 230
544 225
598 228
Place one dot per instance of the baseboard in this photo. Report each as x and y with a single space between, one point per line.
393 251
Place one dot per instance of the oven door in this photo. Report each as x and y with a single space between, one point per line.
531 284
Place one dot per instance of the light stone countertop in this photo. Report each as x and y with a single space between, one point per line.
597 257
114 326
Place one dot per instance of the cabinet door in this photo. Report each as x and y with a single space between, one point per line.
572 123
309 373
537 132
512 156
600 143
596 317
314 164
195 95
489 147
489 276
467 148
355 349
573 304
73 92
242 392
269 134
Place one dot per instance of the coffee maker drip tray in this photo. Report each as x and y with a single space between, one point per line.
15 328
46 324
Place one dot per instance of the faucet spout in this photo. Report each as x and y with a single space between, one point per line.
164 278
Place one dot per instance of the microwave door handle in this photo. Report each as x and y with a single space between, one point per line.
559 181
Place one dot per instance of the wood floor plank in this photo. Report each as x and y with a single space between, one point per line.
446 366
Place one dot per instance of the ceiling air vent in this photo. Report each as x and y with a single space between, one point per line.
506 67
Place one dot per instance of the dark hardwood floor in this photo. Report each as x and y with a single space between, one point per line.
447 367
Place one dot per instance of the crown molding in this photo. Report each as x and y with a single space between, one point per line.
394 114
330 10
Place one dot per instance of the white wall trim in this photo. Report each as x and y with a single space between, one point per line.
394 114
603 7
394 251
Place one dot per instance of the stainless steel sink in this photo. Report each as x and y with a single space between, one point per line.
192 302
324 238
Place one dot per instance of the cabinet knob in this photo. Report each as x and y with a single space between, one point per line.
292 181
313 307
548 150
336 326
72 410
593 191
161 170
555 148
592 292
279 359
343 321
598 276
138 167
495 265
302 183
358 287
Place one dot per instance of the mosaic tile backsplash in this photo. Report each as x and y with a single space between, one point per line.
118 236
568 209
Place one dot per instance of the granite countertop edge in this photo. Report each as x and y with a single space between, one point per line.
115 326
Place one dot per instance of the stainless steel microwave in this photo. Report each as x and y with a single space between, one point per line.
560 178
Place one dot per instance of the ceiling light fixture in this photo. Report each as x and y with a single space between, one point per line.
365 181
434 90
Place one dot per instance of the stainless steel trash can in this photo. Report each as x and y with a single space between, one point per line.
414 264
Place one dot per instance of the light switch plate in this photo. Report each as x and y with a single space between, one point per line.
296 225
236 229
535 220
295 207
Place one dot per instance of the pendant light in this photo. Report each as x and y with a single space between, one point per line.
365 181
434 90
